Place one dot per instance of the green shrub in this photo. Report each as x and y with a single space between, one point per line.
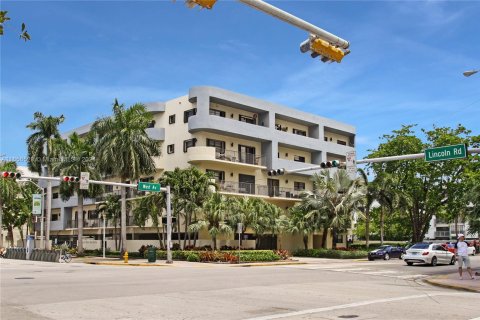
332 254
258 256
193 257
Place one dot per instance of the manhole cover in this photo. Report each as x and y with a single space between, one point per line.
24 278
348 316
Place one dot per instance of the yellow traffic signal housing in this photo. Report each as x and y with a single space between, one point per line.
325 49
202 3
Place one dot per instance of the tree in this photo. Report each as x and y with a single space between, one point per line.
112 209
4 18
8 191
214 214
76 156
333 201
150 207
300 224
124 149
42 148
386 194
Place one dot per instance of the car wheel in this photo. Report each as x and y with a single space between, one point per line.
434 261
386 256
452 262
410 263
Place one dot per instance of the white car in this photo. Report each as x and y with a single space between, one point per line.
429 253
471 251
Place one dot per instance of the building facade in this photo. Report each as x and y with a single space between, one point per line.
236 137
441 230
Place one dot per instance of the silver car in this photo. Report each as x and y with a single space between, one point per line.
429 253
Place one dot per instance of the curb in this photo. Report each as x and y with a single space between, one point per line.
126 264
449 286
268 264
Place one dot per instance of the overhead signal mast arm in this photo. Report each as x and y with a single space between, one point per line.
321 42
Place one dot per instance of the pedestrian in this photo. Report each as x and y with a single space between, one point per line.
461 252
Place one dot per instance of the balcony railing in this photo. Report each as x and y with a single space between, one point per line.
442 234
241 157
256 189
97 223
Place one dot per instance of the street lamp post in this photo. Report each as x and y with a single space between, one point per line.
103 243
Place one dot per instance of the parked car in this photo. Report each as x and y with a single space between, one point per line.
428 253
386 252
450 246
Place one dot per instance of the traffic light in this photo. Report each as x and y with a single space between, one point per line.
71 179
330 164
278 172
323 49
202 3
11 175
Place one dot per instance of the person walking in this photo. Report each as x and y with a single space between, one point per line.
461 252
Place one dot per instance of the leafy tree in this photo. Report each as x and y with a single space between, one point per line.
150 208
124 149
112 209
42 149
300 224
4 18
77 155
214 214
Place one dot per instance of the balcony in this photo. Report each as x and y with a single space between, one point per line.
97 223
258 190
200 154
442 234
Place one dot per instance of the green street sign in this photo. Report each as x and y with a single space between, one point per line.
148 186
457 151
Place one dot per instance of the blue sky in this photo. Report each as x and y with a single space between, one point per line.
405 67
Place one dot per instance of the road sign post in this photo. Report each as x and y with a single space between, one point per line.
458 151
84 180
148 186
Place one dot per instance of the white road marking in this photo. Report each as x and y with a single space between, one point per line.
360 304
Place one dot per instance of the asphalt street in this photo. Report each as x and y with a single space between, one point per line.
319 289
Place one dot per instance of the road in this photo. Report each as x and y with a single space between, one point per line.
321 289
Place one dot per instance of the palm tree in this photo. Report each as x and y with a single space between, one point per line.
215 212
41 152
370 197
150 208
300 224
112 209
125 150
9 191
77 155
334 200
387 196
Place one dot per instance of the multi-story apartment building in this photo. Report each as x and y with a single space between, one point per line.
444 231
236 137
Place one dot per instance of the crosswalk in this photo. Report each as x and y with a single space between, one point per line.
364 270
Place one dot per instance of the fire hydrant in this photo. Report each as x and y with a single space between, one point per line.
125 257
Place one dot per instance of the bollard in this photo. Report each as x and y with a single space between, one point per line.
125 257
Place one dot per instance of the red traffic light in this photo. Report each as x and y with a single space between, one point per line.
13 175
70 179
66 179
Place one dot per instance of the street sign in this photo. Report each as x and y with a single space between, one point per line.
351 164
457 151
148 186
84 180
239 227
36 204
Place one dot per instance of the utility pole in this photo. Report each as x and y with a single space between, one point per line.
169 226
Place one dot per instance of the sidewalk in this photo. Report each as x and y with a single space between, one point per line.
452 281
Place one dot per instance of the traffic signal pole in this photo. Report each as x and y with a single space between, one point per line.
297 22
382 159
129 185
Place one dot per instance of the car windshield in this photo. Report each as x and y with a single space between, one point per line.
420 246
383 247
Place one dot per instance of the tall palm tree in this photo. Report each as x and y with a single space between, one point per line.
370 198
77 155
124 149
150 207
334 200
112 209
41 153
387 196
215 211
300 224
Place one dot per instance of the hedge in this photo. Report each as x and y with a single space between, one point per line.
229 256
329 253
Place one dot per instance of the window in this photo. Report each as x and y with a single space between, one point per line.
247 119
325 138
108 189
215 112
218 175
171 119
343 143
55 217
299 158
218 144
187 114
339 238
170 148
300 132
151 124
246 184
55 195
298 186
188 144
